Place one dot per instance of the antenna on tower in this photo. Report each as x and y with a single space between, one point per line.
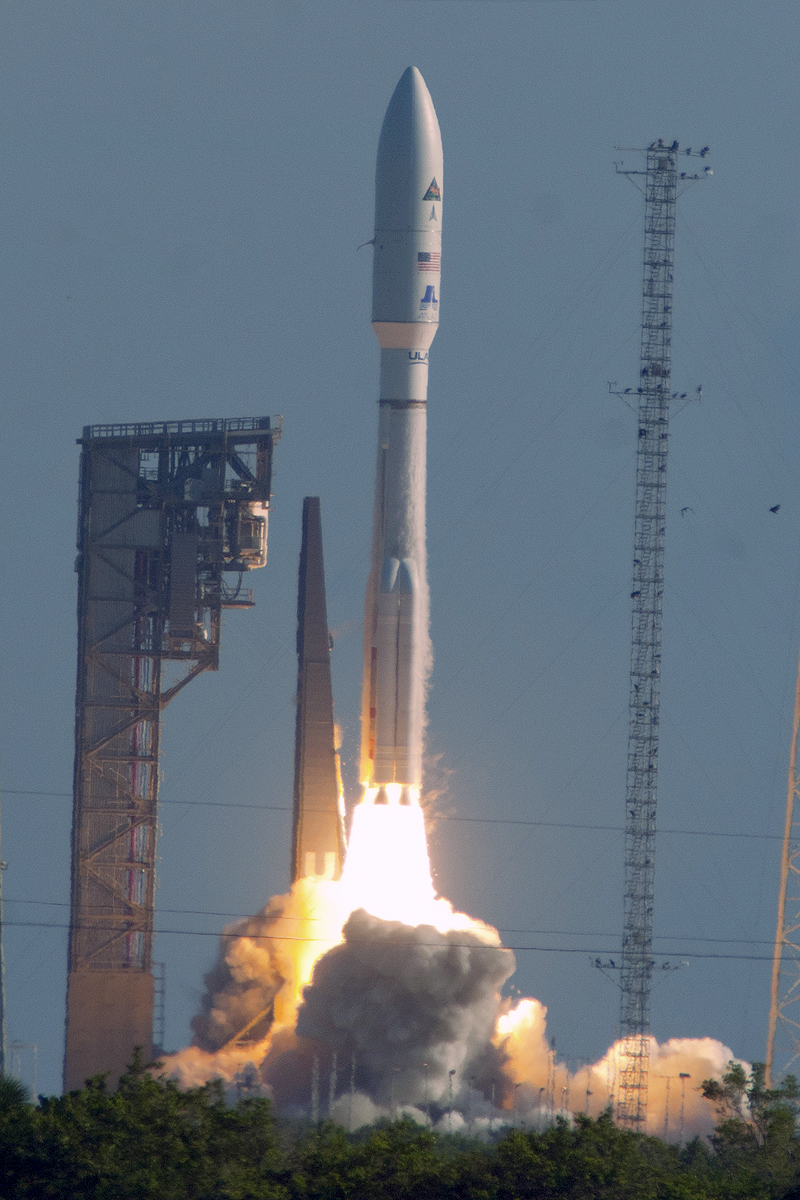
661 181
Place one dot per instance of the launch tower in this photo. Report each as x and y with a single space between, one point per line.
167 510
661 178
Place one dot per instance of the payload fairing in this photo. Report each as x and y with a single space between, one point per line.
405 315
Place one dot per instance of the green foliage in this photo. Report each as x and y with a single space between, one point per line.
147 1139
150 1139
12 1093
757 1136
17 1136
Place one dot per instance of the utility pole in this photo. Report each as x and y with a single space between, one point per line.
315 1090
683 1076
661 178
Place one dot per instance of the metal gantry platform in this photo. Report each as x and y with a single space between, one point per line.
168 510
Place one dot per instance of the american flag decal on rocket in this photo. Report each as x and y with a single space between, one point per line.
429 260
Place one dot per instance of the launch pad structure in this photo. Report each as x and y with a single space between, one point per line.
661 178
167 509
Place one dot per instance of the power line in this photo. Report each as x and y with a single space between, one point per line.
192 803
436 817
508 1
401 939
769 837
203 912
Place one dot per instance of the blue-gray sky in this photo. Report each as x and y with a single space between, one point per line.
183 190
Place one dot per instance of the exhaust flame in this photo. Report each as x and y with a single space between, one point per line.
379 972
386 870
388 873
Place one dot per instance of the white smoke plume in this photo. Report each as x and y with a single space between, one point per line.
401 1019
254 987
242 985
543 1086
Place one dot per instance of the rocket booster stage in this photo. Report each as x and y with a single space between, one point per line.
405 315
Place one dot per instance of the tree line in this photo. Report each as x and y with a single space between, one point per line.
150 1138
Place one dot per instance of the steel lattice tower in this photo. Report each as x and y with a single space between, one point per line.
648 597
661 184
167 510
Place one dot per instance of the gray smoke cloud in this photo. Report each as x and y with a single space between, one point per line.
407 1006
241 986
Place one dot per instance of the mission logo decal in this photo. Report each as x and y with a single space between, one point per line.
433 192
429 303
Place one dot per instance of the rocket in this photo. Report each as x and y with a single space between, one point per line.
405 316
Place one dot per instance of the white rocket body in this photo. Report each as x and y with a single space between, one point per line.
405 315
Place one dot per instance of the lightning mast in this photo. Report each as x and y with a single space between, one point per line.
661 177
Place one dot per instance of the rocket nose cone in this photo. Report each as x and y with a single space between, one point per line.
411 86
409 155
410 122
